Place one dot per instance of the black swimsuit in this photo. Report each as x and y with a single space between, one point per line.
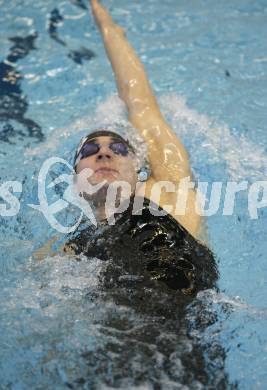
148 249
148 324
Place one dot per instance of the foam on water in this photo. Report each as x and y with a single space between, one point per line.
232 303
69 331
60 322
203 136
110 114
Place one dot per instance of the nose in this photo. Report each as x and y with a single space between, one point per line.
104 154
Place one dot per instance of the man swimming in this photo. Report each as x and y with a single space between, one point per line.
153 248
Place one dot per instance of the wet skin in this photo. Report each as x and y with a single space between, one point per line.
108 165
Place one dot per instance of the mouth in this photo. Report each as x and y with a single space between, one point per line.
106 170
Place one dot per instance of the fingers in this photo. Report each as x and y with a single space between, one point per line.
96 6
100 13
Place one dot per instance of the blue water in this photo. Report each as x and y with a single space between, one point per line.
207 63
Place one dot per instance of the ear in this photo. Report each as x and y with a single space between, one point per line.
143 174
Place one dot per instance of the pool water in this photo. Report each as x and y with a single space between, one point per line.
207 63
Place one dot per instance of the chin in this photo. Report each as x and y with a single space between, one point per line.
98 178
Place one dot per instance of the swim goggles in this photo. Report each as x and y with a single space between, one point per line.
88 146
92 147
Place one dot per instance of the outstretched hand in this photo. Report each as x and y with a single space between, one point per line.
100 13
103 18
94 4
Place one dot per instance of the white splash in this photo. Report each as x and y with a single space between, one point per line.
244 158
235 303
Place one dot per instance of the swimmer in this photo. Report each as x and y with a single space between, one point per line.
155 249
168 159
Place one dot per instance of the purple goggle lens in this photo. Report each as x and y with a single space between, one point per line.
119 147
91 148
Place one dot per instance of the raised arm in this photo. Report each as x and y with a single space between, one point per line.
167 155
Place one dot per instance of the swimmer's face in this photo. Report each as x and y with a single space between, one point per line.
110 159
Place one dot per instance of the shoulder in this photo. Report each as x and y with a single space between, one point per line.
167 196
